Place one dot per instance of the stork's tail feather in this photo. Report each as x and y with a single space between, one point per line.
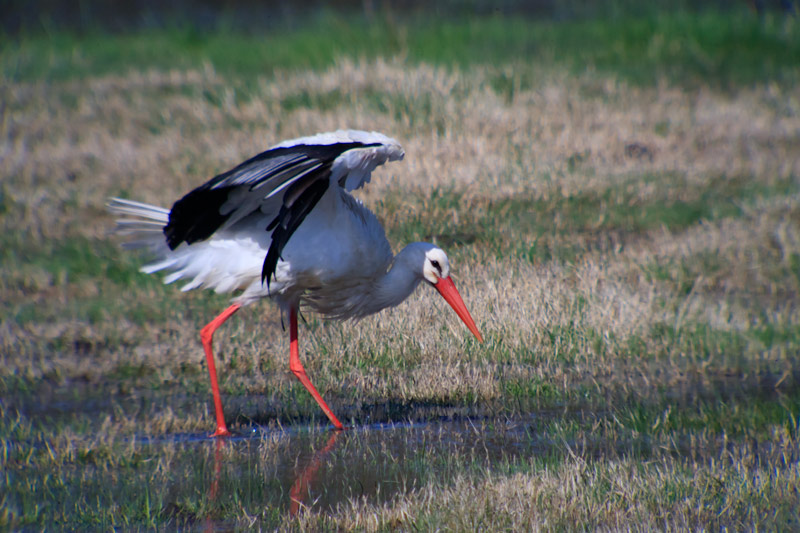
204 264
144 224
152 213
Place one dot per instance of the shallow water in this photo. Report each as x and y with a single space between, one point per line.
273 472
284 471
309 467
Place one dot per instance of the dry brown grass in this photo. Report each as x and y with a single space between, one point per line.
620 494
70 146
586 331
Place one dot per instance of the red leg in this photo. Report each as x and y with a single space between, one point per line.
206 335
297 369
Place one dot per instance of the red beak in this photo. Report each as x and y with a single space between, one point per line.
448 290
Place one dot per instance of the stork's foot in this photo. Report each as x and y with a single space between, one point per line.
221 431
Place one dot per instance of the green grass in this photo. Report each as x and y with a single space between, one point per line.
729 48
566 228
116 483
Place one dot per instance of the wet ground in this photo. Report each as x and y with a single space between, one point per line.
315 467
289 470
277 471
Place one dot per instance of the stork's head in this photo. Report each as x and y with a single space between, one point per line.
436 265
436 271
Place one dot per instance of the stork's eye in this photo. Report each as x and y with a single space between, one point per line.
437 266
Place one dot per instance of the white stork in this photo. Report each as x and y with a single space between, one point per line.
282 225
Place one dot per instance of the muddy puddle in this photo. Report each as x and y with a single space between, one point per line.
290 470
308 467
269 472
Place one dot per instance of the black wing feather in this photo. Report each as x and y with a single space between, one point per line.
197 215
287 221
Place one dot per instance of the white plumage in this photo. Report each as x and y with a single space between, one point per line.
283 225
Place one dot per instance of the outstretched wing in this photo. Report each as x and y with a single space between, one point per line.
285 183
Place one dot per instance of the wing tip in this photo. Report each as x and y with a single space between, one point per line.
345 136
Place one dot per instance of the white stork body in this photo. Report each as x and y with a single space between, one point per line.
283 225
338 238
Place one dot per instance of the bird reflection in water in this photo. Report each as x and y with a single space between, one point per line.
302 487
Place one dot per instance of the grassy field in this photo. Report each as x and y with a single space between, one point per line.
620 201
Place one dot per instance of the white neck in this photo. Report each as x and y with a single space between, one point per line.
400 281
